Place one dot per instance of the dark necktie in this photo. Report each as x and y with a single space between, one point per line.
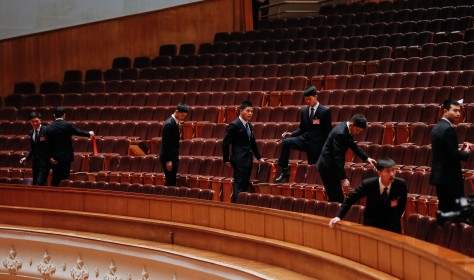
385 196
36 135
249 133
311 115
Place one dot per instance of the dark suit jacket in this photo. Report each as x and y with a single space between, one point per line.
314 132
170 141
242 147
446 162
58 135
39 151
377 214
334 150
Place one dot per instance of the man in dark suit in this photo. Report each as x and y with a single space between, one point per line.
386 199
169 153
446 163
313 131
39 151
239 134
58 134
331 162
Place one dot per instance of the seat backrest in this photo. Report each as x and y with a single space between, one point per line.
253 199
207 194
412 224
194 193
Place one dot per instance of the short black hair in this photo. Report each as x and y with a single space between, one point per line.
183 108
310 91
359 121
447 104
245 105
384 163
34 115
59 112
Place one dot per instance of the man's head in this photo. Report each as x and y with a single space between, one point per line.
181 112
310 96
386 170
451 110
60 112
357 124
246 110
35 120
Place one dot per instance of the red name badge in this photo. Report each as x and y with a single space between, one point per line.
393 203
316 121
42 138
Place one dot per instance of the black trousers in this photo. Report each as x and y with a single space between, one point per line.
241 179
332 184
170 176
60 172
40 173
447 195
297 143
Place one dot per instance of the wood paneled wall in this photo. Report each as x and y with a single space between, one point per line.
45 56
298 242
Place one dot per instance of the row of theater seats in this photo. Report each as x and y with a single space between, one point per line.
282 51
301 205
141 130
417 64
19 106
455 236
356 7
16 102
307 50
417 95
298 83
179 85
441 61
341 63
398 80
345 18
325 49
321 31
416 48
196 193
428 113
15 180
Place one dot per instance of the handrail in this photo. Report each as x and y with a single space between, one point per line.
299 242
283 3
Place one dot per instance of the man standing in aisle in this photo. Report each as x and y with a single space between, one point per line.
58 134
39 152
239 134
446 163
169 153
331 162
313 131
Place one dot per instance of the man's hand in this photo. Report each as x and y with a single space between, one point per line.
53 161
22 160
333 222
372 161
169 165
285 134
261 160
91 133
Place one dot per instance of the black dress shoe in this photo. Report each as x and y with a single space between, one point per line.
283 175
